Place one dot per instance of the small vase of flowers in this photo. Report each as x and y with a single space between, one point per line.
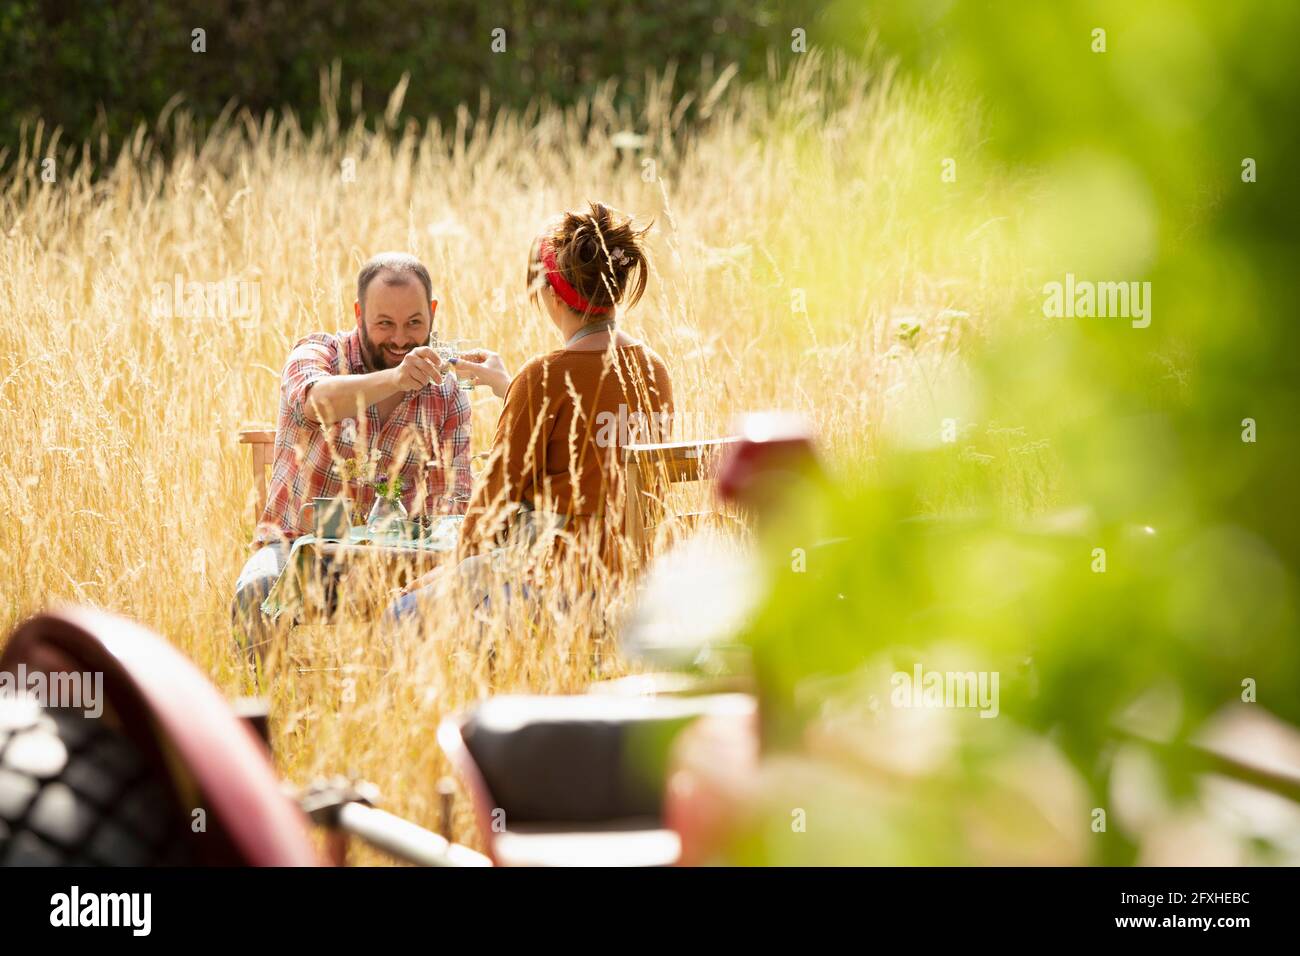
388 512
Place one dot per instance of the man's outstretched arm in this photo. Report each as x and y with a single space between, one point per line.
333 398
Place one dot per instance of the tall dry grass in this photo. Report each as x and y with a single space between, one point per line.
802 227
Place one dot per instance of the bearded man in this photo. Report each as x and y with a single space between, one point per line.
377 392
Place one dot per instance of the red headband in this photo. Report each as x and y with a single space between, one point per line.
572 298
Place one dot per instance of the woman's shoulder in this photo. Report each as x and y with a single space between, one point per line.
531 374
650 359
535 365
541 373
538 368
653 357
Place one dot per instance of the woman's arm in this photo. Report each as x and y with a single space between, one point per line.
516 461
483 367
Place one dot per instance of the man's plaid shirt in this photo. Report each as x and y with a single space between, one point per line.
429 425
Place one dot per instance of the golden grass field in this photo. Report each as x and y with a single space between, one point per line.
800 225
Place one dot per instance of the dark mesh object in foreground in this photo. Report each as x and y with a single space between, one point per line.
75 792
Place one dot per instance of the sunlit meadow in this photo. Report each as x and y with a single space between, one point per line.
809 254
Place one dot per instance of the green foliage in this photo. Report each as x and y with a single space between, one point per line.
97 69
390 489
1137 153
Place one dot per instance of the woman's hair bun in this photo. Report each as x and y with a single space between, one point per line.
601 253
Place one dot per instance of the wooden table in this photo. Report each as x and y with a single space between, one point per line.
364 567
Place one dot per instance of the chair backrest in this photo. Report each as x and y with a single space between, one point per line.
262 442
557 764
651 467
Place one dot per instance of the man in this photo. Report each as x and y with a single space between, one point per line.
376 392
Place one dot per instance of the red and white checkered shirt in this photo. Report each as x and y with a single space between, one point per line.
431 425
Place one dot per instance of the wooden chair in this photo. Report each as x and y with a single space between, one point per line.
652 467
263 446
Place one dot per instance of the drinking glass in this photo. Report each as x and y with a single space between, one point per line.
452 349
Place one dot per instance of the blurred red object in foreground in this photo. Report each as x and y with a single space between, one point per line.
775 449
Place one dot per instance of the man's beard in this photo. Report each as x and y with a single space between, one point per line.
376 359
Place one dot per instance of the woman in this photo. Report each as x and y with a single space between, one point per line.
567 413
